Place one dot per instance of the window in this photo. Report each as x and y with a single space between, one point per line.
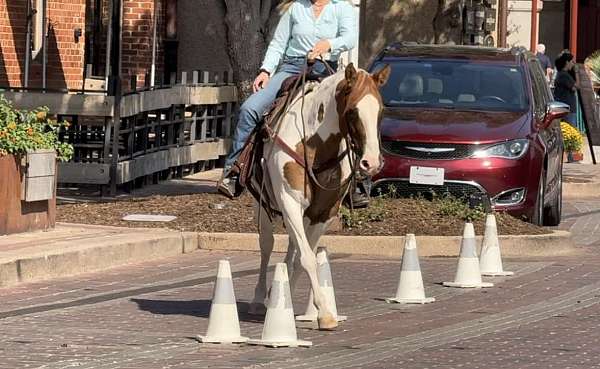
539 86
462 84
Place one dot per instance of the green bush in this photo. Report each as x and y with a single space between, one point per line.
22 131
375 212
450 206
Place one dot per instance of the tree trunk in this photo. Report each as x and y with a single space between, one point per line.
249 24
447 24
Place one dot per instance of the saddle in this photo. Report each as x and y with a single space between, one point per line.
248 165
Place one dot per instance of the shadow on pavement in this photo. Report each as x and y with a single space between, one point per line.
197 308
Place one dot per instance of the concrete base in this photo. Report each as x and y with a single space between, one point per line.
425 300
297 343
224 340
497 274
468 285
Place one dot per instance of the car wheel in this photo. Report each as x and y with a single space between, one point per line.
538 214
554 211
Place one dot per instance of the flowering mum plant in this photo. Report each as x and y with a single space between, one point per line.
22 131
572 138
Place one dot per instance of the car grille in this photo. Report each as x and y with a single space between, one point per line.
431 151
402 188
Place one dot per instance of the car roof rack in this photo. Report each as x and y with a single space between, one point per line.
400 44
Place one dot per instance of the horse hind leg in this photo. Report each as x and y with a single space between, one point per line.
266 241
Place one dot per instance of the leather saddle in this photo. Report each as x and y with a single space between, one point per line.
248 163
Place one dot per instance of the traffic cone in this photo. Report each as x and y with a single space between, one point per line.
223 322
280 327
490 262
326 283
467 272
410 287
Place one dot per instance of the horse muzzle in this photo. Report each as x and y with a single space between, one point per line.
370 166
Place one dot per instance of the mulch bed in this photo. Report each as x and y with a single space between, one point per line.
198 213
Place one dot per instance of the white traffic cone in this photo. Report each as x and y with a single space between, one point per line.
410 287
223 322
490 262
280 327
326 283
467 272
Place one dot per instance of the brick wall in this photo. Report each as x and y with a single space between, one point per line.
137 38
65 55
65 68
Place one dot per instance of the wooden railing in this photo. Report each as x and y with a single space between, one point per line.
161 132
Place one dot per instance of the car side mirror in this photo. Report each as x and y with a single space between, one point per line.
555 110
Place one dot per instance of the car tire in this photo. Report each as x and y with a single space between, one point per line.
538 213
553 212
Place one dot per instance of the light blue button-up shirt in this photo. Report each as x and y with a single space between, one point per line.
298 31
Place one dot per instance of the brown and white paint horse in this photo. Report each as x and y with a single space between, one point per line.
345 107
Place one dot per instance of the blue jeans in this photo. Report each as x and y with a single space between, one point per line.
253 109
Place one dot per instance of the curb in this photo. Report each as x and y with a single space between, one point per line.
581 190
94 248
555 244
66 257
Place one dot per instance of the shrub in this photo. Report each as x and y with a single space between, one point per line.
571 137
450 206
22 131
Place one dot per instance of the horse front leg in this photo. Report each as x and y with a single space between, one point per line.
266 241
313 234
295 225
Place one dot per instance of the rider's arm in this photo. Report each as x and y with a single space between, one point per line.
347 30
278 44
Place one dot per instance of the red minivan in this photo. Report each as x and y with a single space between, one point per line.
472 122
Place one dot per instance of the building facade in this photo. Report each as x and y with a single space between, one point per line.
71 53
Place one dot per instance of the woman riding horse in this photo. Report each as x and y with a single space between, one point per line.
323 138
307 27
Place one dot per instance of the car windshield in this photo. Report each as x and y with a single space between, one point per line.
454 85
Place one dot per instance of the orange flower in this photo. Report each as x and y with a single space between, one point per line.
30 131
40 115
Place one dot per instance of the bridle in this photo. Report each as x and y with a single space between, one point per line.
310 170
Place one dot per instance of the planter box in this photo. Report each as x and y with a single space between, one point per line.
27 192
575 156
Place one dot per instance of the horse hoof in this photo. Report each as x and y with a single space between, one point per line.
257 308
327 323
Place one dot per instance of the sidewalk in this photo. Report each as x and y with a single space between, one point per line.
581 180
71 249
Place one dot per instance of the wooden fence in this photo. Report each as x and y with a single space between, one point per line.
160 132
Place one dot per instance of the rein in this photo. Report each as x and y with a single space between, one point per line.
348 152
310 170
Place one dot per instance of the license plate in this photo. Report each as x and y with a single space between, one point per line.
427 175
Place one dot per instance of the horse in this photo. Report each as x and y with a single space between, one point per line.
308 166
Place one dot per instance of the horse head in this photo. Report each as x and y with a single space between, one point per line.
360 108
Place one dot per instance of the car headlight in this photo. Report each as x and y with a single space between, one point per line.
510 150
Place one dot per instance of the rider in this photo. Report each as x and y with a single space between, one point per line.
307 27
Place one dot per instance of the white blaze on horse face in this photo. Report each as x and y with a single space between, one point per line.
368 111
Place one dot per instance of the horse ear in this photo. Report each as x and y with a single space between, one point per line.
381 76
351 74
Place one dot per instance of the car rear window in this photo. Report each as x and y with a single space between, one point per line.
454 84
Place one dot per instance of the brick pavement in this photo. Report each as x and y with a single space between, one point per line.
154 329
147 315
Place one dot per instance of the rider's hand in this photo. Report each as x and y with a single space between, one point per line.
261 81
320 48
